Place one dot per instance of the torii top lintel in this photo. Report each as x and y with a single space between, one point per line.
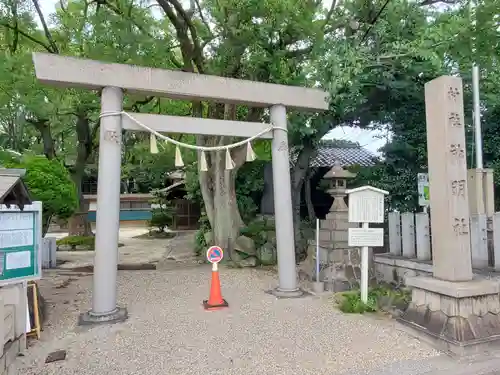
73 72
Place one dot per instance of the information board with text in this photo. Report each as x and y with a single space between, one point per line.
20 243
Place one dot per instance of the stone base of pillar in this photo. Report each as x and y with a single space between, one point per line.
117 316
279 293
461 318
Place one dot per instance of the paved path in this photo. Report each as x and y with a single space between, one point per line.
440 365
136 251
168 332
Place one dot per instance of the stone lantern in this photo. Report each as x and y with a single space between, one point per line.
337 179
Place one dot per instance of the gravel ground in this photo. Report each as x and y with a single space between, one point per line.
168 332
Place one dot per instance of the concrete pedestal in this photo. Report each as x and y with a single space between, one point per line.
120 314
318 287
458 317
280 293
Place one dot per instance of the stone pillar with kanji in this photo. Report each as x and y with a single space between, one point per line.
453 309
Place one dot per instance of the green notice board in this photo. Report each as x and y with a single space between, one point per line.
20 243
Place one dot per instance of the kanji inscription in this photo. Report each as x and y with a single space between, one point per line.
458 187
457 150
453 93
461 226
454 119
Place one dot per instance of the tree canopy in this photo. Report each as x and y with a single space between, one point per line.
373 57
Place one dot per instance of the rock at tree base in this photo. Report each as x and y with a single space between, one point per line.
245 245
267 254
248 262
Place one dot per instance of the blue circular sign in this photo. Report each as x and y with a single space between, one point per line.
215 254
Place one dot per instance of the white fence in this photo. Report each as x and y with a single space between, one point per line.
410 237
49 248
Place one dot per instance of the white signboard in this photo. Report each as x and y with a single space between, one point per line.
16 238
19 259
423 189
372 237
20 243
16 220
366 205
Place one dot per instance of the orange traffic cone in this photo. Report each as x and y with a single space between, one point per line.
215 300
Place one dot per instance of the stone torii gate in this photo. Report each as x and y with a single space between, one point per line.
114 80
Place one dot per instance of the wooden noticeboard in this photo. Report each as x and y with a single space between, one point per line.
20 243
366 205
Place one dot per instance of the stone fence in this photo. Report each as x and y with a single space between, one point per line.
410 246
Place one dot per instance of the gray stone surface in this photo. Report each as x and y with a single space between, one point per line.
73 72
168 331
89 318
136 251
11 351
458 289
439 365
459 317
447 166
267 254
245 245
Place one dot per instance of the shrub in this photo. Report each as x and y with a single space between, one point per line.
73 241
163 214
84 241
381 296
350 302
201 245
48 181
258 230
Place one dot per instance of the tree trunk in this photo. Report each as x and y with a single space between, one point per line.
43 127
219 196
298 175
46 219
78 223
308 197
226 219
218 187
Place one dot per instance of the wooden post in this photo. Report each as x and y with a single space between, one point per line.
394 225
408 234
422 236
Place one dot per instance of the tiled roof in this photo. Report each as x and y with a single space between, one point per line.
347 156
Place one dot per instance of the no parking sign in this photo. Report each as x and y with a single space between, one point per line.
214 254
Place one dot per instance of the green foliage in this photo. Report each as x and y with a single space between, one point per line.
350 302
373 68
86 241
258 230
249 187
201 245
163 214
8 158
307 230
149 171
49 182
